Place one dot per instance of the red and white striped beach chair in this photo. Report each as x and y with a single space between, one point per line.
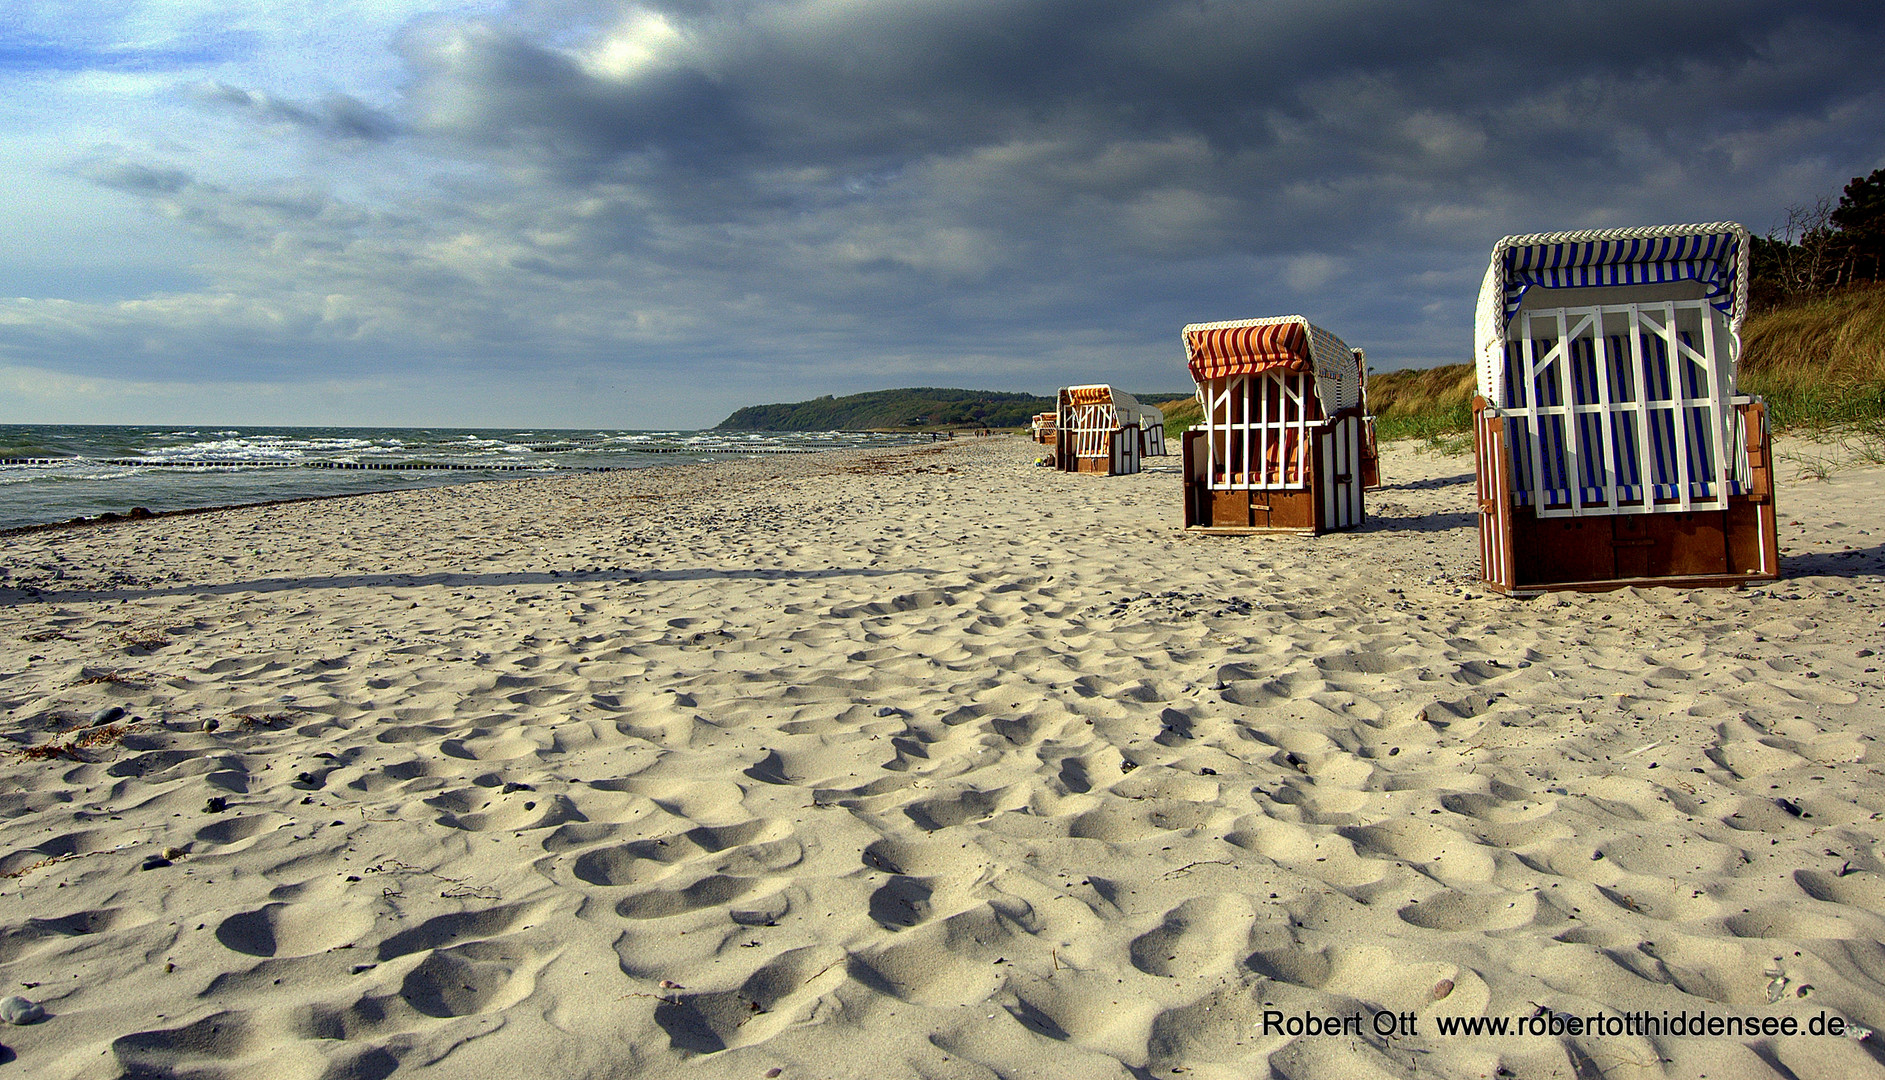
1284 445
1100 430
1612 448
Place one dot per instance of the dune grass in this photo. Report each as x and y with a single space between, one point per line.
1435 404
1181 416
1430 403
1820 365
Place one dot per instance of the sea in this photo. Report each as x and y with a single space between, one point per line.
60 472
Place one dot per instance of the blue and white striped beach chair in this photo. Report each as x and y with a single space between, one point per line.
1607 417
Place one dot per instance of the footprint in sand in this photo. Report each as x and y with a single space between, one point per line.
154 764
1213 1029
476 809
222 1036
1754 815
1803 919
1367 662
1472 911
1201 935
476 977
782 993
72 843
647 860
25 939
946 963
489 746
443 931
710 891
901 902
1860 888
961 807
1502 805
286 929
1749 758
1661 898
1397 981
1445 853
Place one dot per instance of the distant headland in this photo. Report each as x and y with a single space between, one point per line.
916 409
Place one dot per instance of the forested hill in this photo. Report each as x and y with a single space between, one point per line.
922 407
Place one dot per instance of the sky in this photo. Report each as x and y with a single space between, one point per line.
590 214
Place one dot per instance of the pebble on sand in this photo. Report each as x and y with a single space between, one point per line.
18 1010
107 714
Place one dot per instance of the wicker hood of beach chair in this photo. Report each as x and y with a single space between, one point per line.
1612 445
1283 444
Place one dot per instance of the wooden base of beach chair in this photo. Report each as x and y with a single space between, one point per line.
1098 431
1119 453
1232 513
1332 500
1697 549
1524 554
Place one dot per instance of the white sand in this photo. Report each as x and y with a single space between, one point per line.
923 764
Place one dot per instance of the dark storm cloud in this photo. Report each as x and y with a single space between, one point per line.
785 198
957 168
1401 104
491 86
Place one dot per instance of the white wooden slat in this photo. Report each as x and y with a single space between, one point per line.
1718 411
1645 465
1567 412
1534 420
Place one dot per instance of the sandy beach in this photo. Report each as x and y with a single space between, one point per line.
943 766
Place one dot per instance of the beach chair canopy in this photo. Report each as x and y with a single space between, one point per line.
1126 408
1288 344
1654 263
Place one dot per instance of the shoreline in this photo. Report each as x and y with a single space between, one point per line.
139 513
112 469
922 761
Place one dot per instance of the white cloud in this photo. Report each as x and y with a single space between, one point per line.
1308 273
642 41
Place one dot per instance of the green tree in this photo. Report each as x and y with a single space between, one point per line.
1860 218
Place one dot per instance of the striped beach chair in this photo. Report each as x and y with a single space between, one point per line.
1284 445
1042 427
1612 448
1098 429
